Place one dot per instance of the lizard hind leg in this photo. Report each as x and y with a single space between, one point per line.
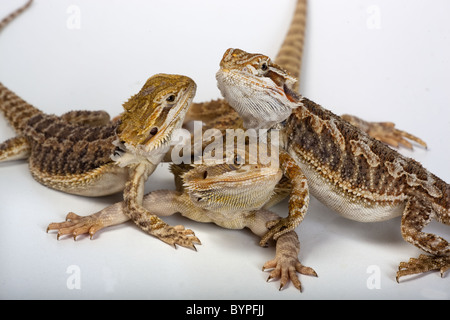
385 132
417 215
14 149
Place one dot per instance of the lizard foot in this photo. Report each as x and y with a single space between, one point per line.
285 268
385 132
176 235
423 264
76 225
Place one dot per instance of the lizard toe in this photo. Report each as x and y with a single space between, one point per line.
423 264
286 269
76 225
177 235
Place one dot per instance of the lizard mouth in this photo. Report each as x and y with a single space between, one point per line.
246 176
152 142
233 192
260 101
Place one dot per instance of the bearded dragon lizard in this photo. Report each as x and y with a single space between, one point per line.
207 193
346 169
19 147
84 153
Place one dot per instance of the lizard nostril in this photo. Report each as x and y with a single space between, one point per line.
205 174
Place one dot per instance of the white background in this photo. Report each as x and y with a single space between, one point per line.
393 66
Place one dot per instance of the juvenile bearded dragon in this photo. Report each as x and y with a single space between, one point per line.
346 169
83 153
230 193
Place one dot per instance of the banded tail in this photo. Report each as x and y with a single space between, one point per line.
290 54
16 110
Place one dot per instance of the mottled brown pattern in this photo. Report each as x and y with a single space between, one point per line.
298 199
62 148
346 166
17 111
348 170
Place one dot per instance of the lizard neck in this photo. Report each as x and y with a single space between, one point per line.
127 155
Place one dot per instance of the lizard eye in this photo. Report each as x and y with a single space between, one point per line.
171 98
154 131
264 66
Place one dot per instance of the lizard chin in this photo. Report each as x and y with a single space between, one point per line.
152 147
217 192
259 100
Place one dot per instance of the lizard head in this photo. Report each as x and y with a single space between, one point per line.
152 115
232 185
259 90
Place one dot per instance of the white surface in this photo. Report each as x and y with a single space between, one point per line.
393 66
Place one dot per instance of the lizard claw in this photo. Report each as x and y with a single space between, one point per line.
76 225
176 235
285 268
387 133
423 264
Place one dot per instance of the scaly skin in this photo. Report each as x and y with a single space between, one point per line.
207 193
75 155
92 174
220 115
84 153
346 169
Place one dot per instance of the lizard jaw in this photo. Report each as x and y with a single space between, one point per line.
165 132
151 117
262 100
218 192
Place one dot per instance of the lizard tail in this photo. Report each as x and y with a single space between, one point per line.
291 51
5 21
15 110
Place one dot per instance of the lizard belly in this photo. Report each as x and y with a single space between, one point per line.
102 181
345 203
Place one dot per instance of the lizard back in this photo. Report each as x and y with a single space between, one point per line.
359 168
62 148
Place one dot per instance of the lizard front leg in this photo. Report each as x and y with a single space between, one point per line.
286 264
76 225
14 149
298 200
384 132
418 213
144 219
160 202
